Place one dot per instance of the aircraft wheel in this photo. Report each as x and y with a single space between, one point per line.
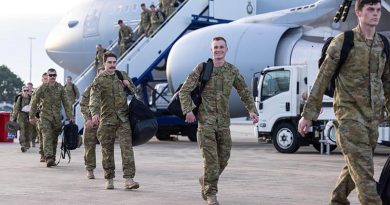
285 138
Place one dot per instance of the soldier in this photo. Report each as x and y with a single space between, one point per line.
20 115
71 90
90 133
156 19
167 6
125 37
214 116
33 133
50 96
99 56
38 124
145 20
108 105
362 91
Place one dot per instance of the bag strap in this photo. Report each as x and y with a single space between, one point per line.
120 76
205 74
345 49
385 45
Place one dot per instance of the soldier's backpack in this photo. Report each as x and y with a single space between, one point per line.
174 106
345 49
143 123
70 140
383 185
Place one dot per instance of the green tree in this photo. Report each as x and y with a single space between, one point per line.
10 84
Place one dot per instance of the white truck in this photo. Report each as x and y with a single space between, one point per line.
280 94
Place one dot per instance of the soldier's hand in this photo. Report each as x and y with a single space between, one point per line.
303 126
95 120
88 123
190 117
33 120
72 120
126 83
254 117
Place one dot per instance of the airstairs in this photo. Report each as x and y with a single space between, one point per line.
147 52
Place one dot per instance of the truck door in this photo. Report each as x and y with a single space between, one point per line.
275 98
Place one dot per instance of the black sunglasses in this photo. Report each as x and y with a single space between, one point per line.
52 75
25 90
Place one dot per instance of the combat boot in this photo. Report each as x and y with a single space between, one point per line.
50 162
33 143
42 159
23 149
109 183
90 174
212 200
201 182
131 184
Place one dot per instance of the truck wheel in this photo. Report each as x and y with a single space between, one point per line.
317 146
285 138
192 133
163 136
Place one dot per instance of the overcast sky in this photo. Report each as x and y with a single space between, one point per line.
21 19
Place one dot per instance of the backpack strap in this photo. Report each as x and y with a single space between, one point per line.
206 74
385 45
120 76
347 46
74 90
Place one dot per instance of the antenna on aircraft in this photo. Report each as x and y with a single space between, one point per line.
343 11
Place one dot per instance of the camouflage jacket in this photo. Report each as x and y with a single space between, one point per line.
145 18
108 98
50 98
17 113
84 104
214 109
125 33
72 92
156 18
167 3
362 85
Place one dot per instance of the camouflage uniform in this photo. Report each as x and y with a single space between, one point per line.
214 118
50 98
167 6
89 133
99 58
145 22
156 19
108 100
72 92
125 38
38 129
22 119
362 86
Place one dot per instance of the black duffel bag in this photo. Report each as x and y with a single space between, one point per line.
143 123
174 106
383 185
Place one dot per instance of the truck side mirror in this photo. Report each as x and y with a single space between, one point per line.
255 82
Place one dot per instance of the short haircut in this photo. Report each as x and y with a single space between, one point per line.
152 6
70 77
107 55
360 3
120 21
44 74
220 38
100 45
30 83
52 70
143 4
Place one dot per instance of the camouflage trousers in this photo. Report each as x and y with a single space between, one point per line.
153 27
25 130
33 133
90 141
168 11
50 131
215 145
40 138
357 142
106 136
142 29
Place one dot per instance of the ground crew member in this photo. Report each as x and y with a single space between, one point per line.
362 91
21 117
71 90
38 124
156 19
33 133
167 6
145 20
90 133
99 56
214 115
108 105
125 37
51 97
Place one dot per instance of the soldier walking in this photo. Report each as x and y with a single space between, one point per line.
156 19
90 133
214 116
51 97
362 91
108 105
33 133
99 56
125 37
167 6
20 116
71 90
145 20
